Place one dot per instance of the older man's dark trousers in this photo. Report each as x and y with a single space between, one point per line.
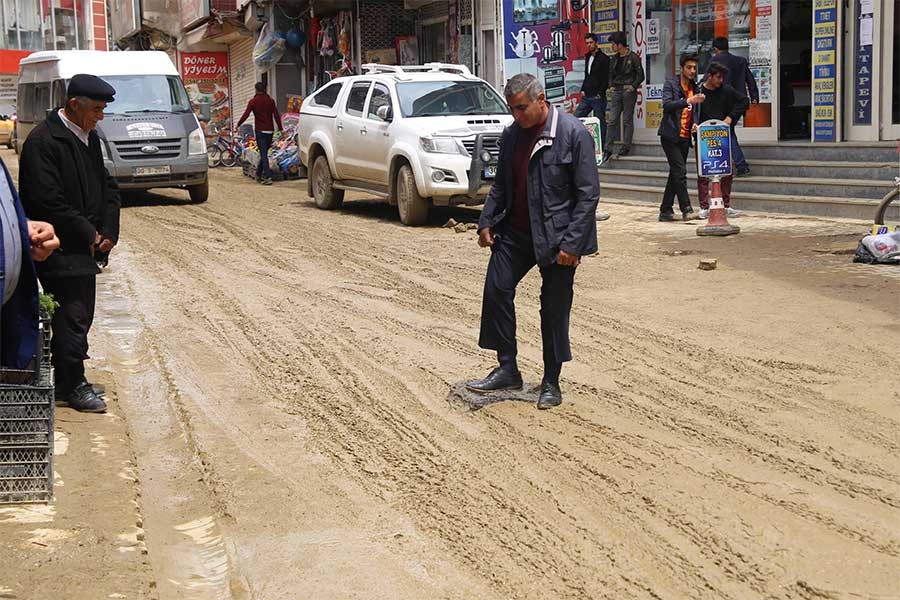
71 324
512 256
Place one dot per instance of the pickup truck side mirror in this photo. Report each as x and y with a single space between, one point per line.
385 113
205 112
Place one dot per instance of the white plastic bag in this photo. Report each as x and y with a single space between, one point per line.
268 49
882 248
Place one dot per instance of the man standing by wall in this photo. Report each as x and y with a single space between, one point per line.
265 117
540 210
62 180
722 102
740 77
596 82
626 73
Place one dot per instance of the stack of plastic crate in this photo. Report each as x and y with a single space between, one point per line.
26 429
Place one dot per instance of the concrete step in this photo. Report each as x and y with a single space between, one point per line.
822 206
872 171
757 184
881 152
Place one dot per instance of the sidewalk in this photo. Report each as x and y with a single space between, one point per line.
88 543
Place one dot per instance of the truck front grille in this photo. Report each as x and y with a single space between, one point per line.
166 148
489 143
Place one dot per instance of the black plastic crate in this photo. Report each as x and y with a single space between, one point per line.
26 474
26 415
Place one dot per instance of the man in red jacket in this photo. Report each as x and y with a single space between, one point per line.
265 116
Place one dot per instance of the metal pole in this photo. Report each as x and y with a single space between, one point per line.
53 22
18 28
75 17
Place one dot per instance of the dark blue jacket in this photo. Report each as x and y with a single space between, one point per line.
563 188
740 77
674 101
19 318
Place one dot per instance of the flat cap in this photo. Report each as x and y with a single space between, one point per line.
90 86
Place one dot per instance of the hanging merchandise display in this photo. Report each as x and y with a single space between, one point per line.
295 38
344 35
284 159
269 48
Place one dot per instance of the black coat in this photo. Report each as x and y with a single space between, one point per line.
723 102
563 188
596 81
740 77
55 176
674 101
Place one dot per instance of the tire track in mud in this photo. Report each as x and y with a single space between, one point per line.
369 364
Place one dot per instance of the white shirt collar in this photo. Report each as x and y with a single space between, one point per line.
80 133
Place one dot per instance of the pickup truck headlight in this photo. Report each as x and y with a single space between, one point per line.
442 145
103 149
196 142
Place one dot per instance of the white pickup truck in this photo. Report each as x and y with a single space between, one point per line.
411 135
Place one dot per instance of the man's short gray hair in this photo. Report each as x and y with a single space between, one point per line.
523 82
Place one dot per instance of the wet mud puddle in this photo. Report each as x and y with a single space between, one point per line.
186 546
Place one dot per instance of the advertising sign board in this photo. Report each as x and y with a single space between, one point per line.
714 149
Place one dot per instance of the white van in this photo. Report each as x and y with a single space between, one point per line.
150 136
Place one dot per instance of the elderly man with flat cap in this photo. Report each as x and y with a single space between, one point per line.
62 180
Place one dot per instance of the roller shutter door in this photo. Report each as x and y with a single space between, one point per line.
243 76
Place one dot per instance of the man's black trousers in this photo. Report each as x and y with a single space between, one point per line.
512 256
676 186
71 324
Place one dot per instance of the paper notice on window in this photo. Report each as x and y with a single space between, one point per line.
866 28
764 28
866 7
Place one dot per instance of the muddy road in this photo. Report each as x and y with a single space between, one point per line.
291 378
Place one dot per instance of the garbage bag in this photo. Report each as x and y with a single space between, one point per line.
883 248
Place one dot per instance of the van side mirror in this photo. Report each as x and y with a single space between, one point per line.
385 113
205 112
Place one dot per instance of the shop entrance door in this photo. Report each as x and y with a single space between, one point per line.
891 72
795 70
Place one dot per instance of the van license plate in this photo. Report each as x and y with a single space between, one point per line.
143 171
490 172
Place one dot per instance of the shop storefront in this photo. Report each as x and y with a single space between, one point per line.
814 85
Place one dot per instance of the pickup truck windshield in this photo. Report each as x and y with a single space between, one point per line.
442 98
147 93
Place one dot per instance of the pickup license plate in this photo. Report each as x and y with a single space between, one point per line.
144 171
490 172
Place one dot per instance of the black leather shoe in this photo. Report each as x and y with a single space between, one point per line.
688 215
98 388
498 379
665 217
550 396
83 399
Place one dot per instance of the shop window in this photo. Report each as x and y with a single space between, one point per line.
328 95
58 93
356 100
434 42
380 97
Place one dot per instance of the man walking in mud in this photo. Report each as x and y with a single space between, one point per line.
540 211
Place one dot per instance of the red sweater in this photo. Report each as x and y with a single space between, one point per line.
264 111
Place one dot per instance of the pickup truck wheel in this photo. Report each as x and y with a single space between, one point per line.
326 197
413 207
199 193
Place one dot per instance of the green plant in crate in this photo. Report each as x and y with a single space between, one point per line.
48 304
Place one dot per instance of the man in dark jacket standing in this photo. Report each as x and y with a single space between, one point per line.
595 84
540 210
740 77
62 180
265 117
679 97
626 74
724 103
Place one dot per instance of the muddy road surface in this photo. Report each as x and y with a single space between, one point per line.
292 382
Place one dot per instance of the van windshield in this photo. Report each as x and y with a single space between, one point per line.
147 93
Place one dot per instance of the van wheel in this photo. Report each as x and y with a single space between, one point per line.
413 207
326 197
199 193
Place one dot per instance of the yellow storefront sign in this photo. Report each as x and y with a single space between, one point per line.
823 113
824 85
606 27
823 30
654 114
826 4
825 58
600 5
